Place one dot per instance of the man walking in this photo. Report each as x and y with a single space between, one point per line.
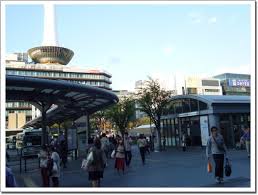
128 153
246 139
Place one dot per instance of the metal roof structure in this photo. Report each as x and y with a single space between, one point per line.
215 104
70 100
216 99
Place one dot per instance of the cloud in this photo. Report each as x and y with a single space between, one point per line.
212 20
168 50
195 17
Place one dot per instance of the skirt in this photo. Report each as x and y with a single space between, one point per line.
120 163
95 175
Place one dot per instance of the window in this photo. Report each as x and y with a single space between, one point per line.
211 90
191 90
210 83
194 105
202 106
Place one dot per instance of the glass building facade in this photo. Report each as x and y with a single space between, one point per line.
235 84
187 115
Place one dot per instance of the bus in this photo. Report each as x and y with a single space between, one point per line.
11 142
28 138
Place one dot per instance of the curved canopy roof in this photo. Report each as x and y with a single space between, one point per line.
72 100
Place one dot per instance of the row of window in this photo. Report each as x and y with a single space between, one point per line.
17 105
58 74
27 112
94 83
184 105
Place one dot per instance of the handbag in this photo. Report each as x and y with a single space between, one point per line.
113 154
228 169
209 167
55 168
85 164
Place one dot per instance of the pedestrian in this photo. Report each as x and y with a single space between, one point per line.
104 144
97 163
141 142
128 152
216 147
63 153
147 146
7 156
184 141
43 156
10 178
120 156
246 139
164 143
55 171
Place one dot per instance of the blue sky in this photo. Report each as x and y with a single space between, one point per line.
134 41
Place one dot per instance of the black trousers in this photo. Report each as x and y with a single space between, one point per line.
128 157
142 151
219 164
55 181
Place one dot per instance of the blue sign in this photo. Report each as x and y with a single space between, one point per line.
239 83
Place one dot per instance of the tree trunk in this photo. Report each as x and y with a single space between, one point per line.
159 139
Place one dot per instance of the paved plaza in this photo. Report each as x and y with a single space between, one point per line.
170 168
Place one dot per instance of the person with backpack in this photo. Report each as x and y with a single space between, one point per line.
97 162
217 149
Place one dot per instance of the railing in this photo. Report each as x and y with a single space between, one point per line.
28 153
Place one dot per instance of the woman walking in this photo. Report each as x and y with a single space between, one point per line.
141 142
43 156
120 156
97 161
55 171
216 147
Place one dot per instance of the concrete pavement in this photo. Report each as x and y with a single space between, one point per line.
170 168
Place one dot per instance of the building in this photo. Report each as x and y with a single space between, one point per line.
194 115
49 62
235 84
18 58
123 93
202 86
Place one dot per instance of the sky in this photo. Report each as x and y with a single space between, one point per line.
135 41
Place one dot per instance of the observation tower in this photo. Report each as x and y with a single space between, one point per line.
50 52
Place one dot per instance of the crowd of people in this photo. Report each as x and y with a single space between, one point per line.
52 158
102 149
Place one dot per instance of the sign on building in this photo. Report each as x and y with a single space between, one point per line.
239 83
72 138
204 129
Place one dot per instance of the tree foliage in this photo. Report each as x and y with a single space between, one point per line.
122 113
152 100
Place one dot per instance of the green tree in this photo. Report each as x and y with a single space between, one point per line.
152 100
98 120
122 113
